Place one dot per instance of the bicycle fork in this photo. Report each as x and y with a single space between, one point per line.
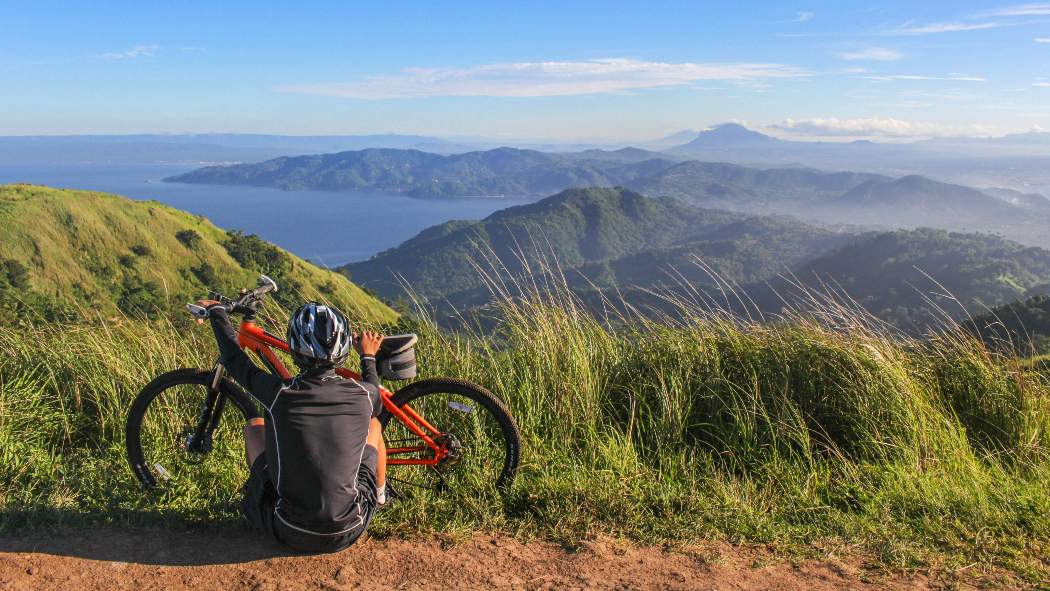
199 441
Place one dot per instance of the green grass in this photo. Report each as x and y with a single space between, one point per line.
86 249
811 434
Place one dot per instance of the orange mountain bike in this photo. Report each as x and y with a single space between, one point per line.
439 432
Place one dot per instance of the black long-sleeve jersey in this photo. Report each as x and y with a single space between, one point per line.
317 425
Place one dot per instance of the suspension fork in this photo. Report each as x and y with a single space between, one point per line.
211 412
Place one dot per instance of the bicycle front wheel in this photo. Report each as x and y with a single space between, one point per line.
183 436
474 427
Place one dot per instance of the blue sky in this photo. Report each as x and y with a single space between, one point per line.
537 70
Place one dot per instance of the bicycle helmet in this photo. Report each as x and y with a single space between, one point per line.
318 336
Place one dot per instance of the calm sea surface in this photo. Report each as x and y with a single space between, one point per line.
326 227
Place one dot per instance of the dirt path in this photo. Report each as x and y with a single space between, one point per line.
165 559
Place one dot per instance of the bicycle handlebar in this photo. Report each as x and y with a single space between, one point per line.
246 304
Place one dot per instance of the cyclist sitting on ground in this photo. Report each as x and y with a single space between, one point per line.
322 476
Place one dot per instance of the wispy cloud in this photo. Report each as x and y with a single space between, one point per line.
131 53
1042 39
532 79
885 127
949 77
803 16
1034 9
878 54
1041 84
911 28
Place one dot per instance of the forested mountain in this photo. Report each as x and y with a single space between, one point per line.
611 237
896 275
628 245
1022 326
65 253
503 171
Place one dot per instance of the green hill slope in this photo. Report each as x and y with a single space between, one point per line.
890 273
611 237
1022 326
62 252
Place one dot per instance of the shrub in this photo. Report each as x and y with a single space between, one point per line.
188 238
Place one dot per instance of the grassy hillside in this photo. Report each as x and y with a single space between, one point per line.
63 252
803 436
612 237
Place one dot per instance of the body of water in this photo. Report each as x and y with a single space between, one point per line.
329 228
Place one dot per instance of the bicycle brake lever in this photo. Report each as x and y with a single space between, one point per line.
198 312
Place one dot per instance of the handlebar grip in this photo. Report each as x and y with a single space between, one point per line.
198 312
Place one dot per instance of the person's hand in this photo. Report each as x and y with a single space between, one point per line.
367 343
206 304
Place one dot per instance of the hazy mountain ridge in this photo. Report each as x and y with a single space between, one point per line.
827 197
502 171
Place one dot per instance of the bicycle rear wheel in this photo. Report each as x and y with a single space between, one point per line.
475 426
167 446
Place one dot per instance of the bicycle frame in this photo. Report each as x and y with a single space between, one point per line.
254 338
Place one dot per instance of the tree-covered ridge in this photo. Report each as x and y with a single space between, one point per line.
66 252
503 171
905 276
603 237
1022 326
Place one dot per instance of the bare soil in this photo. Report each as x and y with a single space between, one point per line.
130 558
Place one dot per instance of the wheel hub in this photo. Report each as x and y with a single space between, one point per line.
453 449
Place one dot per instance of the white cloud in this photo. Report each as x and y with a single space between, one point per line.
1035 9
1041 84
884 127
132 53
910 28
803 16
531 79
878 54
948 78
1042 39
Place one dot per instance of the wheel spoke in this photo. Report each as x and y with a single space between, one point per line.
473 444
169 426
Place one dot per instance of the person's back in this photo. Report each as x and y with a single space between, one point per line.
320 424
320 480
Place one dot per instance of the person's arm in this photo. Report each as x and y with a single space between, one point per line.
263 385
367 345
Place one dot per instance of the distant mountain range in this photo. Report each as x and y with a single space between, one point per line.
636 247
1020 161
838 198
197 148
499 172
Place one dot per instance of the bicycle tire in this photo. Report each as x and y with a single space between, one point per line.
489 401
180 377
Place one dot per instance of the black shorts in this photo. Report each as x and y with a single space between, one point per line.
260 501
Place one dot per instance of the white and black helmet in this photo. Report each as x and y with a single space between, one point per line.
318 336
